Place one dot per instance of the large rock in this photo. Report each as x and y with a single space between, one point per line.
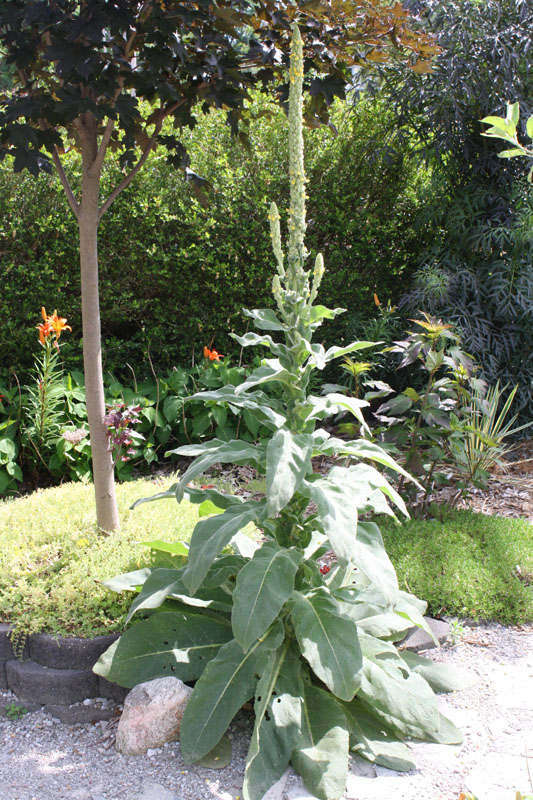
152 715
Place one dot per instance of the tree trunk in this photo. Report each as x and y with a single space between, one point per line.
102 460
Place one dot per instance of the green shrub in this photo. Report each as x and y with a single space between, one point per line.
163 413
175 275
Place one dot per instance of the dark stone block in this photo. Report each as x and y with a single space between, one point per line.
72 652
417 639
111 690
72 715
38 684
3 676
6 647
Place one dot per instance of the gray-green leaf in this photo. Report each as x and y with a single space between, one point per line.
441 677
288 459
399 697
212 534
228 681
370 738
167 643
236 452
321 757
263 585
278 722
328 641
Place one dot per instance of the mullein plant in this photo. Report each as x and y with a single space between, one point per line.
312 648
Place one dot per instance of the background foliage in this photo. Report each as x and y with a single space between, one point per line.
175 275
478 210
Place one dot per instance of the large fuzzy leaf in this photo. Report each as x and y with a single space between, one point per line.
337 510
127 581
253 339
322 754
373 740
372 560
167 643
228 681
211 535
441 677
236 452
400 698
447 732
264 408
164 583
262 588
328 641
265 319
362 448
278 722
270 370
288 460
344 403
337 352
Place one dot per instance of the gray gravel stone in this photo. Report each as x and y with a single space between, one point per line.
155 791
74 714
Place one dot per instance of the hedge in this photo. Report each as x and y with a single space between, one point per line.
175 275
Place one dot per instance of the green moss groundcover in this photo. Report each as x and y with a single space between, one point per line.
53 559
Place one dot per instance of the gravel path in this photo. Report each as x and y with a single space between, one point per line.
43 759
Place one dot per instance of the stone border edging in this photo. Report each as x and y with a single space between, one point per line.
55 672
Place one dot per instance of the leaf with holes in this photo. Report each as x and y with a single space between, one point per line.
167 643
228 682
321 756
278 721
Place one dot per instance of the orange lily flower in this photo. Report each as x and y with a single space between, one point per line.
58 324
212 355
44 331
44 327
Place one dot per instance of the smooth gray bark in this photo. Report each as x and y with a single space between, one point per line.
88 218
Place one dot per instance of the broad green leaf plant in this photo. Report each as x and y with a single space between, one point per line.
311 646
506 129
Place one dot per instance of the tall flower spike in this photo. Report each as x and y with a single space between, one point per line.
297 225
318 274
275 236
